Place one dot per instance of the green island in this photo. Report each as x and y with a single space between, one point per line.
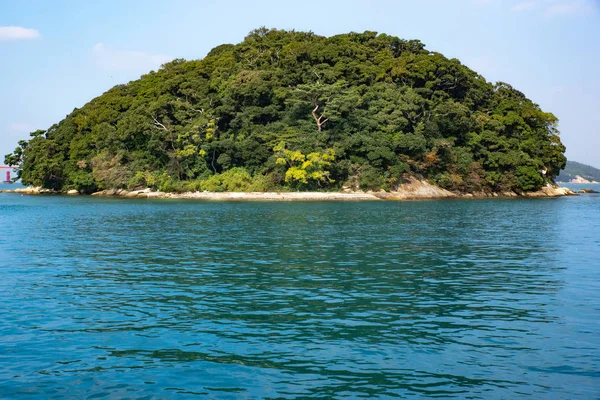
294 111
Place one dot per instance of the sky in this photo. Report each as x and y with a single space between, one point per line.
58 55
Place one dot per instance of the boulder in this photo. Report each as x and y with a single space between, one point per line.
156 195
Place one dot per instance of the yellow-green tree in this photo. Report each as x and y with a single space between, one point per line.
312 168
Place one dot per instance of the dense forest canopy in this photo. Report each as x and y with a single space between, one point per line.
573 169
294 110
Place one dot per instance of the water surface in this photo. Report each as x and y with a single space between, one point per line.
118 298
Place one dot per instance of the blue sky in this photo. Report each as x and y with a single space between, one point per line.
57 55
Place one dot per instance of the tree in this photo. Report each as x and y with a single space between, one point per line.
305 169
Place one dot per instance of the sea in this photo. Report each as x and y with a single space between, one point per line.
180 299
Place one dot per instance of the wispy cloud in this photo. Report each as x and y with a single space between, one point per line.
18 33
552 8
117 59
525 6
569 7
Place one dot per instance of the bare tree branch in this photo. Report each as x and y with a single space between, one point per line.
319 120
158 124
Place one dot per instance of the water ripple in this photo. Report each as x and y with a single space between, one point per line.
163 299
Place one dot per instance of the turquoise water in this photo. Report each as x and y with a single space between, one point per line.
480 299
11 186
578 186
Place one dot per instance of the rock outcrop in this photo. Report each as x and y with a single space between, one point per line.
34 190
415 189
550 191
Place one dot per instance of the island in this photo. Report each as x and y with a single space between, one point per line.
357 114
575 172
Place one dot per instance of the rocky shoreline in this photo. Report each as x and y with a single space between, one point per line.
412 190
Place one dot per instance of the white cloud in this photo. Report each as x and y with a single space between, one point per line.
116 59
552 8
17 33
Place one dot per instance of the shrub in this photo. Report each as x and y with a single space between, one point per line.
449 181
236 180
83 181
395 172
233 180
261 183
529 178
212 184
370 178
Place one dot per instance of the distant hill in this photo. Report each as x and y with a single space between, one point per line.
574 169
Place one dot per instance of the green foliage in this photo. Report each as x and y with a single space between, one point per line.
361 107
448 180
83 181
233 180
304 170
370 178
529 178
